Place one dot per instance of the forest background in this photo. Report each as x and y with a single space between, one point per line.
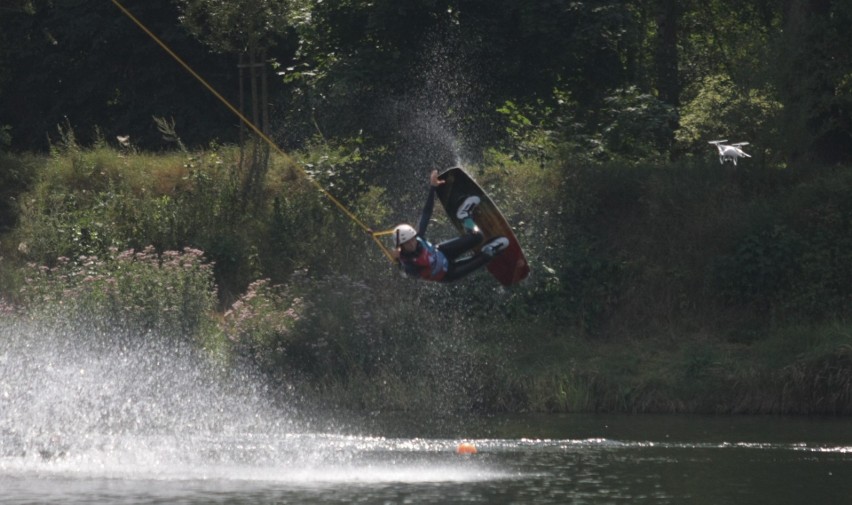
662 281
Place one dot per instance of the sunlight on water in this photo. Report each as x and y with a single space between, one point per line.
75 405
91 418
303 460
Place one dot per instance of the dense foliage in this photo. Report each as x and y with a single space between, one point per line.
655 287
661 280
773 73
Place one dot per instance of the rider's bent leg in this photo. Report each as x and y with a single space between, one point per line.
454 248
465 266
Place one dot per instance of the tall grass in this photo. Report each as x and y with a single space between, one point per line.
655 287
169 294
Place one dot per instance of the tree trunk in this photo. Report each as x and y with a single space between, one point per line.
258 161
241 67
666 53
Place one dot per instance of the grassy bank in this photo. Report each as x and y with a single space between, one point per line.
656 288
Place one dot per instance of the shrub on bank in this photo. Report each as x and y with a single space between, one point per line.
167 294
650 289
260 323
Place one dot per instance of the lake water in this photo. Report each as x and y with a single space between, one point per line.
582 459
92 420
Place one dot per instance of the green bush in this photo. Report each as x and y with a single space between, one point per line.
636 125
170 294
722 110
761 271
260 323
16 177
649 286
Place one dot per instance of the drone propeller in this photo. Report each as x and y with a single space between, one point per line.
739 144
716 142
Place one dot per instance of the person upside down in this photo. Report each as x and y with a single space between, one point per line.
443 262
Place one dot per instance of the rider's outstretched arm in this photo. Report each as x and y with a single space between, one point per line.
426 215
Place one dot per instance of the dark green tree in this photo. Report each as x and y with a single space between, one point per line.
248 29
814 79
85 61
473 55
667 25
725 67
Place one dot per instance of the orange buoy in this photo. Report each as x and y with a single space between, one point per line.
466 448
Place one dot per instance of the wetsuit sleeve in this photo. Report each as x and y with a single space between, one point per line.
426 215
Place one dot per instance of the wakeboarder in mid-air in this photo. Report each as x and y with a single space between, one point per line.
443 262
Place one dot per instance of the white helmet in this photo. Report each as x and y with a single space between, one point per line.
403 233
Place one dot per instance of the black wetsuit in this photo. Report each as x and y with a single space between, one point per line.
441 262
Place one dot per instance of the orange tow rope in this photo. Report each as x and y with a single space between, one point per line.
256 130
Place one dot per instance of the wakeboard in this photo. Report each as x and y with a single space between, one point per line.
510 266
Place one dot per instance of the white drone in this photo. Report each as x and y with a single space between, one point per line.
730 152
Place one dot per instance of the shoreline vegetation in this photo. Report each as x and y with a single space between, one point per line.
657 287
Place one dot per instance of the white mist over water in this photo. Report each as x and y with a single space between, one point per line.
88 406
94 419
434 120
